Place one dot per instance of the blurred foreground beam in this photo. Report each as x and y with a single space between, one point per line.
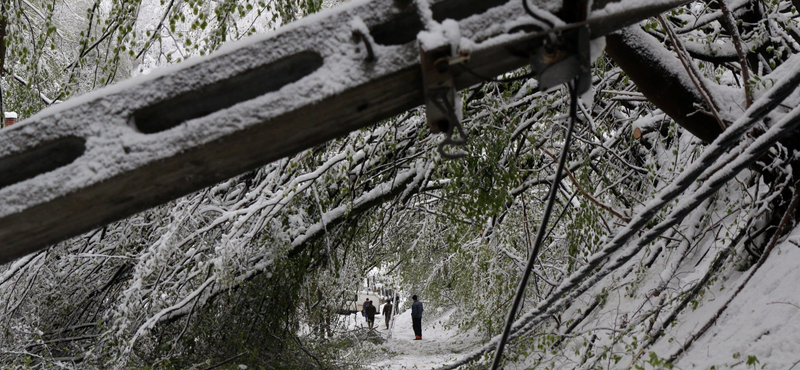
113 152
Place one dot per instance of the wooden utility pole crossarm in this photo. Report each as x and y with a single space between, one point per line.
120 150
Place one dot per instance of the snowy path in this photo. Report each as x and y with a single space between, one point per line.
439 345
758 330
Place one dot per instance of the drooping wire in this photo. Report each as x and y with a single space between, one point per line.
536 16
540 233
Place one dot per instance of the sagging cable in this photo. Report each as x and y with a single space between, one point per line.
540 233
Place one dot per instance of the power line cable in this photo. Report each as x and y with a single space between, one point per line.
551 197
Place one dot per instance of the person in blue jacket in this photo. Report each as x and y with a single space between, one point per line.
416 317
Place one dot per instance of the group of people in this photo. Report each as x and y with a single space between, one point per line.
369 310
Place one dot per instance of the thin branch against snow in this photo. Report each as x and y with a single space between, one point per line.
695 76
18 266
380 193
46 100
181 308
730 23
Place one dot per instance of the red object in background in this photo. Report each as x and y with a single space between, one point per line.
10 119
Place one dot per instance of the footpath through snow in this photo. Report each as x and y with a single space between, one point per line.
440 344
759 329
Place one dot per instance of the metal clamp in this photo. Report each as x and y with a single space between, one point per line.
442 104
359 36
563 59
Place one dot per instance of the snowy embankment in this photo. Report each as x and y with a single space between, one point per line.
759 326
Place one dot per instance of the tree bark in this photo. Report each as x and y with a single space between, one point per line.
662 80
3 26
667 85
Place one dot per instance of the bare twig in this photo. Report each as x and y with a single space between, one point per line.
149 42
587 195
789 303
693 75
737 43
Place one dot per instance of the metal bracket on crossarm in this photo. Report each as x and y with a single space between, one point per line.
180 130
565 55
442 104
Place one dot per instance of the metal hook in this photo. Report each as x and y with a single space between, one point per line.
448 108
359 36
440 97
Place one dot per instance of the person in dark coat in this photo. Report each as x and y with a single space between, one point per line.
387 313
364 308
416 317
370 311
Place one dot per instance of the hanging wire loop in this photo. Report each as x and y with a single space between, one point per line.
551 197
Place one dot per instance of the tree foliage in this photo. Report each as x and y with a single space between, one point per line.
55 50
252 270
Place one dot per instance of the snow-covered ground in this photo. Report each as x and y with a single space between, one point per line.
440 344
761 323
759 329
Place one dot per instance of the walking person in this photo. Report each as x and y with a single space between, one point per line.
416 317
364 308
370 312
387 313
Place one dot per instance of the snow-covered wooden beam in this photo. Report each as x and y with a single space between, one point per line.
113 152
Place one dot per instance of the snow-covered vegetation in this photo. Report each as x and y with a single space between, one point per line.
671 241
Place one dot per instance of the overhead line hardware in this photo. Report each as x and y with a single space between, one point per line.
116 151
442 102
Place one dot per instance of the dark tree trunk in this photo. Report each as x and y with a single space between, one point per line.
669 89
666 87
3 26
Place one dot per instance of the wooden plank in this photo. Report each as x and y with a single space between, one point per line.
120 150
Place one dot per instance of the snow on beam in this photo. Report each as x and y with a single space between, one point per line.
116 151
